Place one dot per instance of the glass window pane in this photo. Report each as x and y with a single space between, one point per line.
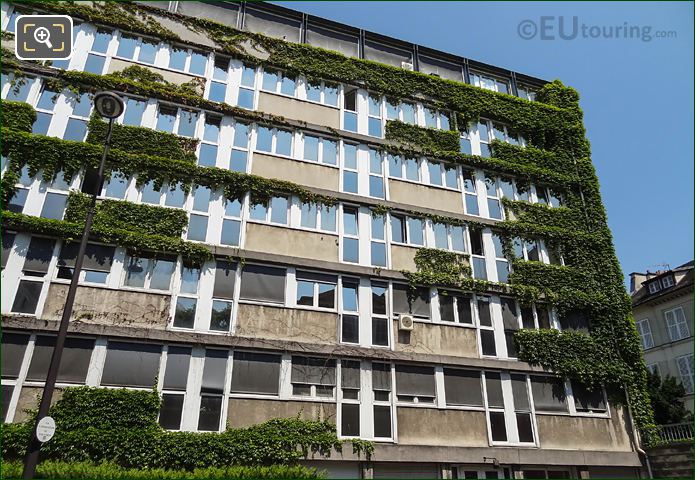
76 130
350 330
349 221
462 387
133 112
330 95
27 297
278 212
189 279
349 294
257 373
440 236
305 293
408 110
498 427
487 340
201 199
208 155
378 252
54 206
177 58
350 420
148 51
270 81
41 124
101 41
210 410
479 268
350 250
376 186
374 127
82 106
241 135
171 411
74 362
197 228
230 232
245 99
264 139
451 177
350 182
311 148
94 64
162 272
126 46
174 196
457 239
397 229
494 208
220 319
435 171
284 143
411 169
166 118
184 317
309 212
211 130
199 62
238 161
328 215
327 295
261 283
395 166
416 231
330 152
382 421
136 271
287 86
149 194
313 92
187 123
131 364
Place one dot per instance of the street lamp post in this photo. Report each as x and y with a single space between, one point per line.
108 105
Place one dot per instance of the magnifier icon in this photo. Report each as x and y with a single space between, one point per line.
42 35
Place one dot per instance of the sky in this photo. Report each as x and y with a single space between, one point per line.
636 93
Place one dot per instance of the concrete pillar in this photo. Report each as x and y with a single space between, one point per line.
517 474
583 472
367 471
445 471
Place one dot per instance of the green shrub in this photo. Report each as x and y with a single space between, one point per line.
135 217
120 426
17 115
143 140
430 140
88 471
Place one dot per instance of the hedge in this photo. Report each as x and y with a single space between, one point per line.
88 471
17 115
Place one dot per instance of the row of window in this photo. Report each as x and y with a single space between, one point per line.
199 384
676 324
226 143
661 284
205 299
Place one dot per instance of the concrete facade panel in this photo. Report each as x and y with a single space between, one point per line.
427 197
243 412
437 338
287 324
304 173
584 433
298 243
425 426
299 110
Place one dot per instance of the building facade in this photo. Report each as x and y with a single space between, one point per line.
297 301
662 304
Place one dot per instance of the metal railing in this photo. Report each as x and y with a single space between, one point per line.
676 432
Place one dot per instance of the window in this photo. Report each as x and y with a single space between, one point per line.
381 388
238 161
316 290
465 143
645 333
404 111
263 284
141 49
318 216
199 217
255 373
275 211
374 116
351 249
76 128
522 408
131 364
44 111
134 110
220 75
486 328
588 400
277 82
276 141
223 296
148 271
489 82
455 307
654 286
174 387
415 303
376 174
350 109
350 184
495 404
449 237
462 387
349 317
19 87
501 262
408 168
525 92
96 59
313 377
320 150
380 321
322 92
36 262
667 281
214 373
653 368
54 206
176 120
494 206
350 384
186 301
415 384
685 369
378 240
526 250
231 223
96 264
478 254
436 119
510 320
471 193
207 151
19 199
676 324
409 230
548 394
13 348
575 320
247 87
187 60
73 364
169 195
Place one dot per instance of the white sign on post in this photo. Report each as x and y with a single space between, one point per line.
45 429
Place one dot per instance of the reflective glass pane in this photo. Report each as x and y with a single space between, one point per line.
311 148
126 46
177 58
199 62
230 232
278 212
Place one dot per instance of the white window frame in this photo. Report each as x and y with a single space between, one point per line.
645 332
677 323
685 370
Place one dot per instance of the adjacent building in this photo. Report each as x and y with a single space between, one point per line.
662 304
294 302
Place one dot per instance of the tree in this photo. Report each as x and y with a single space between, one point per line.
666 397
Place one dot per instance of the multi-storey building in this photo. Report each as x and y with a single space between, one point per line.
662 304
286 289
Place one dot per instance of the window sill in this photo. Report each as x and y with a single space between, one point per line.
295 97
422 184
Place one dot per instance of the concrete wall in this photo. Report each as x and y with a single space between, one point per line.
426 197
403 258
287 324
584 433
109 307
436 338
299 110
243 412
296 243
672 461
450 428
29 399
304 173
